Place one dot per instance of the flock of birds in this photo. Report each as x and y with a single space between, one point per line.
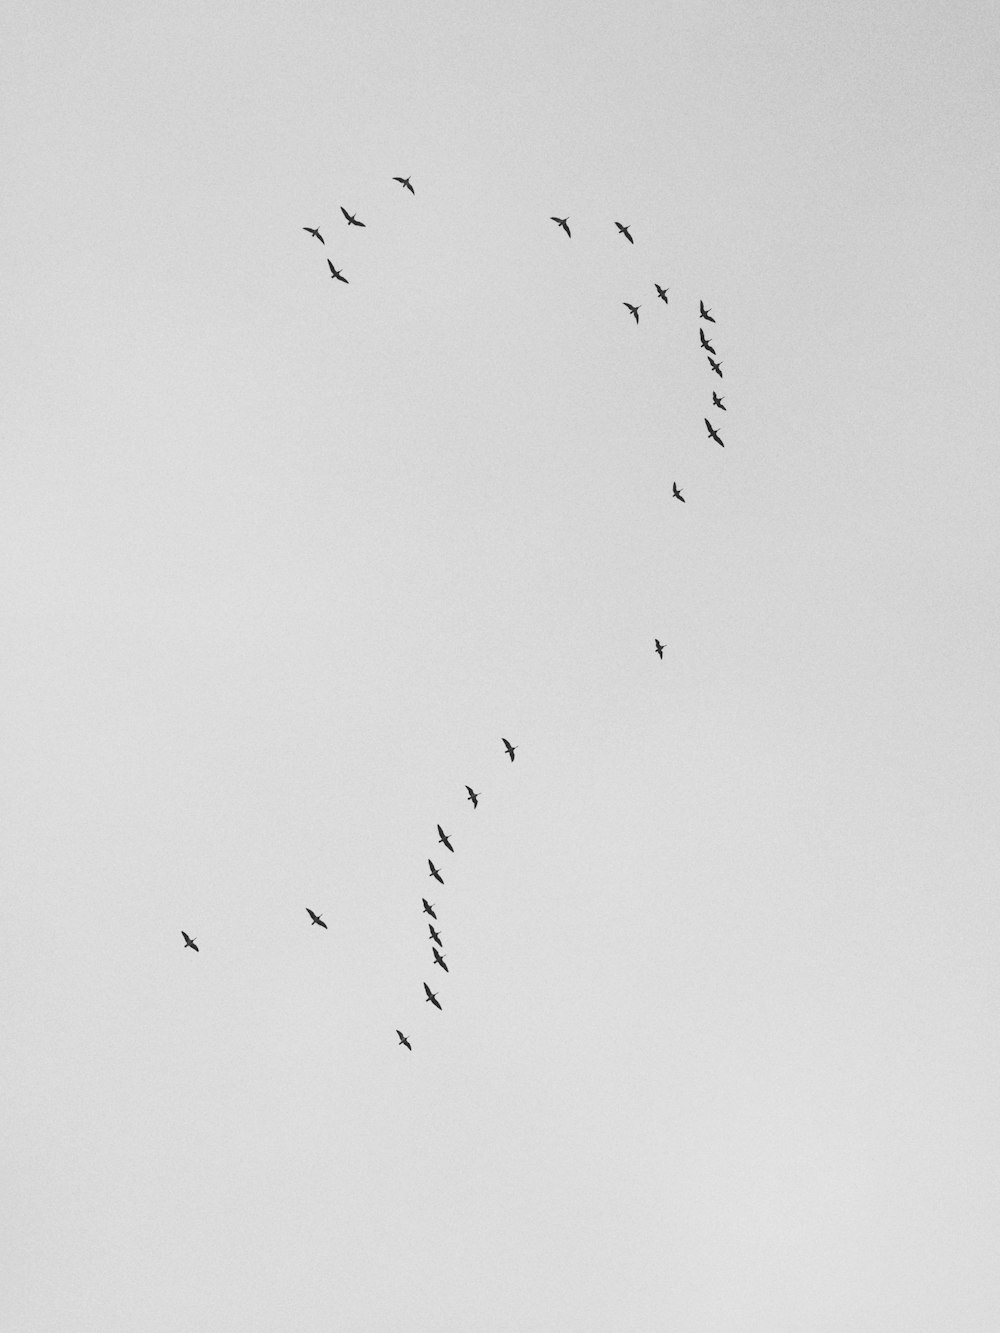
706 317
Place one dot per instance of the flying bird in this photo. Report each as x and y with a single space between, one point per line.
678 495
314 231
719 402
335 272
713 434
659 647
443 837
351 219
633 310
403 1041
705 343
436 874
429 908
431 996
562 222
705 314
510 748
662 293
473 796
434 935
715 366
316 920
189 941
405 182
439 958
625 232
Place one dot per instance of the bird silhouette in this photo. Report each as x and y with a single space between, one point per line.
431 996
678 495
705 314
351 219
335 273
189 941
716 367
435 873
713 434
316 920
510 748
473 796
633 310
718 402
314 231
659 647
562 222
434 935
405 182
662 293
403 1041
429 908
439 958
625 232
443 837
705 343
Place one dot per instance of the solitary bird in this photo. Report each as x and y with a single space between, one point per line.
705 314
335 272
429 908
314 231
633 310
405 182
317 920
719 402
662 293
716 367
403 1041
431 996
625 232
473 796
659 647
436 874
705 343
678 495
189 941
562 222
713 434
439 958
443 837
351 219
434 935
510 748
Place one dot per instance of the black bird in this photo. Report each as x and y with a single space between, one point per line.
713 434
316 920
351 219
335 272
659 647
662 293
705 343
718 402
189 941
405 182
625 232
314 231
403 1041
562 222
431 996
705 314
434 935
443 837
510 748
434 871
678 495
633 310
473 796
715 366
439 958
429 908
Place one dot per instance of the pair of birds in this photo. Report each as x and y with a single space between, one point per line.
430 996
622 228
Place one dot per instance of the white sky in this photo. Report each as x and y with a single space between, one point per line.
283 559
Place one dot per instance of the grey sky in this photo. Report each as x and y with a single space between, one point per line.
283 559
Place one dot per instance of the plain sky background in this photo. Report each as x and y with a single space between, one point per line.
282 560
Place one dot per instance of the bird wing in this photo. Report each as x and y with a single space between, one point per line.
427 989
345 212
329 264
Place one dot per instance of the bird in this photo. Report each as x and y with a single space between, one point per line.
434 935
562 222
314 231
705 314
713 434
625 232
405 182
443 837
715 366
351 219
705 343
435 873
678 495
431 996
429 908
335 272
189 941
317 920
473 796
633 310
719 402
403 1041
662 293
439 958
510 748
659 647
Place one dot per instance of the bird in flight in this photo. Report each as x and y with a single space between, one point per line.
351 219
439 958
625 232
431 996
678 495
473 796
429 908
435 873
510 748
705 343
434 935
405 182
314 231
443 837
189 941
659 647
715 366
719 402
662 293
705 314
713 434
562 222
317 920
403 1041
633 310
335 272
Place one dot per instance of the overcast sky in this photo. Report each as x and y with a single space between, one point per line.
284 558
